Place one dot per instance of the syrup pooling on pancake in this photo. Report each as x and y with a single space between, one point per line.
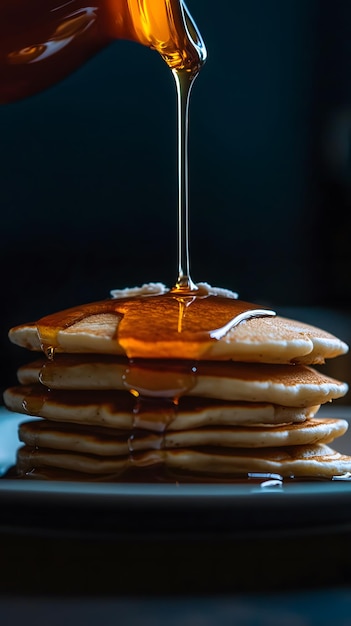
271 339
286 385
185 324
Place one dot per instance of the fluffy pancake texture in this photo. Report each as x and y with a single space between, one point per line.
319 461
287 385
117 410
248 402
260 340
106 442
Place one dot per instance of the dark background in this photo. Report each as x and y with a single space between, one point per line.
88 168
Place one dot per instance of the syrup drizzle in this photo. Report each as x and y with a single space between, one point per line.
165 325
59 37
184 83
184 79
186 319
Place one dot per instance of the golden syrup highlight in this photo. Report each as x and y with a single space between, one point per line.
158 326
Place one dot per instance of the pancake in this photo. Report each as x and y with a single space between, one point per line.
113 442
260 339
177 383
117 410
316 461
286 385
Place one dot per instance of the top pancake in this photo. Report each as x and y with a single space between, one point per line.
261 340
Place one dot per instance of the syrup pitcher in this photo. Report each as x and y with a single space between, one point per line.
42 41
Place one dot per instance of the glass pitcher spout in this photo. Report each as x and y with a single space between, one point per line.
167 26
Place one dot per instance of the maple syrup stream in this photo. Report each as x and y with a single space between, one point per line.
42 42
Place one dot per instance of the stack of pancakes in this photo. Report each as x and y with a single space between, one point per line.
249 407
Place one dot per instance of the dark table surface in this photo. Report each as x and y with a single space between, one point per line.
295 608
293 576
